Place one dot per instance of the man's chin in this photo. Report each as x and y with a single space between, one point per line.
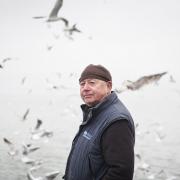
91 103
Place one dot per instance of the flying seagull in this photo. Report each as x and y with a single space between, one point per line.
72 29
38 124
37 129
7 141
26 114
144 80
47 176
171 79
51 175
12 150
53 16
28 149
23 80
39 17
4 61
38 132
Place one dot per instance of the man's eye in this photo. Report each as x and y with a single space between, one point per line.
82 84
92 82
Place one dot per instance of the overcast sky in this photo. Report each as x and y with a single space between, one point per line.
132 38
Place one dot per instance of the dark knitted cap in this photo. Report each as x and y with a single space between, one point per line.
96 72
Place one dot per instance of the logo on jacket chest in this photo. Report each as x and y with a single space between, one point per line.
87 135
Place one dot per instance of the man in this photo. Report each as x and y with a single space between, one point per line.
103 148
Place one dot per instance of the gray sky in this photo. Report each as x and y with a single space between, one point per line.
130 37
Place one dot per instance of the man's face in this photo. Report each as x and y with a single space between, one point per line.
92 91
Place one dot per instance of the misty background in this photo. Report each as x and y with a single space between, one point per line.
41 64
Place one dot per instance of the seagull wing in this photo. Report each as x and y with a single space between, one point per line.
66 22
140 82
31 177
56 8
25 114
6 59
51 175
38 124
7 141
75 28
12 150
158 76
39 17
33 149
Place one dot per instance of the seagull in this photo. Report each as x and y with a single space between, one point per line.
41 134
28 149
171 79
12 150
144 80
39 123
47 134
26 114
47 176
72 29
30 175
144 166
51 175
23 80
7 141
53 16
25 159
6 59
49 47
38 132
138 156
159 136
39 17
54 86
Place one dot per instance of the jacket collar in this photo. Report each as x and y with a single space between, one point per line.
88 112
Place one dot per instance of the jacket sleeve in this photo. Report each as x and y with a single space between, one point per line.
117 144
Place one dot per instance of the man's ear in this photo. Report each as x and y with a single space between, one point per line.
109 84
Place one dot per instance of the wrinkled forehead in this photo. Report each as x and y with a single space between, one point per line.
94 82
91 80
